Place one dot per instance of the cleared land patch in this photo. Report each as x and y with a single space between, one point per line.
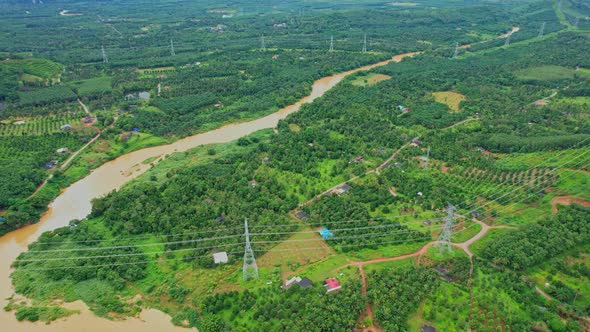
294 127
370 79
299 250
450 98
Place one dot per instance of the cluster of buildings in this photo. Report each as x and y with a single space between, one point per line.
219 28
331 284
340 189
143 95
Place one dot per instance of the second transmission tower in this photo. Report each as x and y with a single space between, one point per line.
262 43
331 44
542 31
444 238
104 55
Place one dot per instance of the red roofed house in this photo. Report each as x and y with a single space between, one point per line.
332 285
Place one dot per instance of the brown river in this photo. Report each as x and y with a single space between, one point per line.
74 203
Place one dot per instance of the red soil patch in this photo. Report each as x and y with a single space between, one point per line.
566 200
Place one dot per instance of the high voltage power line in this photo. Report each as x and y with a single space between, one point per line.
296 224
369 227
210 239
373 235
299 249
262 242
241 228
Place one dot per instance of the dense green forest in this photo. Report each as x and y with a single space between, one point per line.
515 140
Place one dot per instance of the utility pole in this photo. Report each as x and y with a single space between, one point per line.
445 237
250 269
331 44
456 54
365 44
104 55
172 53
542 31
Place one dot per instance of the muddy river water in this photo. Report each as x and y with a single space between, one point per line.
75 203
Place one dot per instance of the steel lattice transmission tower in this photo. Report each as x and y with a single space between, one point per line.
172 53
262 43
456 54
250 268
445 237
331 44
576 22
507 42
105 59
365 44
542 31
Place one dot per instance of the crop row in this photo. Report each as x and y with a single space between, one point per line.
40 125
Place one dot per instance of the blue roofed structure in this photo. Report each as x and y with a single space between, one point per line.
325 233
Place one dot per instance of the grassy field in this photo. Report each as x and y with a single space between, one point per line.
92 86
393 264
551 73
450 98
386 251
40 68
106 149
435 253
575 182
566 268
370 79
465 231
490 236
301 250
323 269
519 161
57 93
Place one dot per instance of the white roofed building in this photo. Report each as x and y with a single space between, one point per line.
220 257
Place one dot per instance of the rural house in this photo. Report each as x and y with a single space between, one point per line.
332 285
325 233
220 257
341 189
302 215
291 282
305 283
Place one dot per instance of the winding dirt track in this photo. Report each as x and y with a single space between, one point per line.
417 254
